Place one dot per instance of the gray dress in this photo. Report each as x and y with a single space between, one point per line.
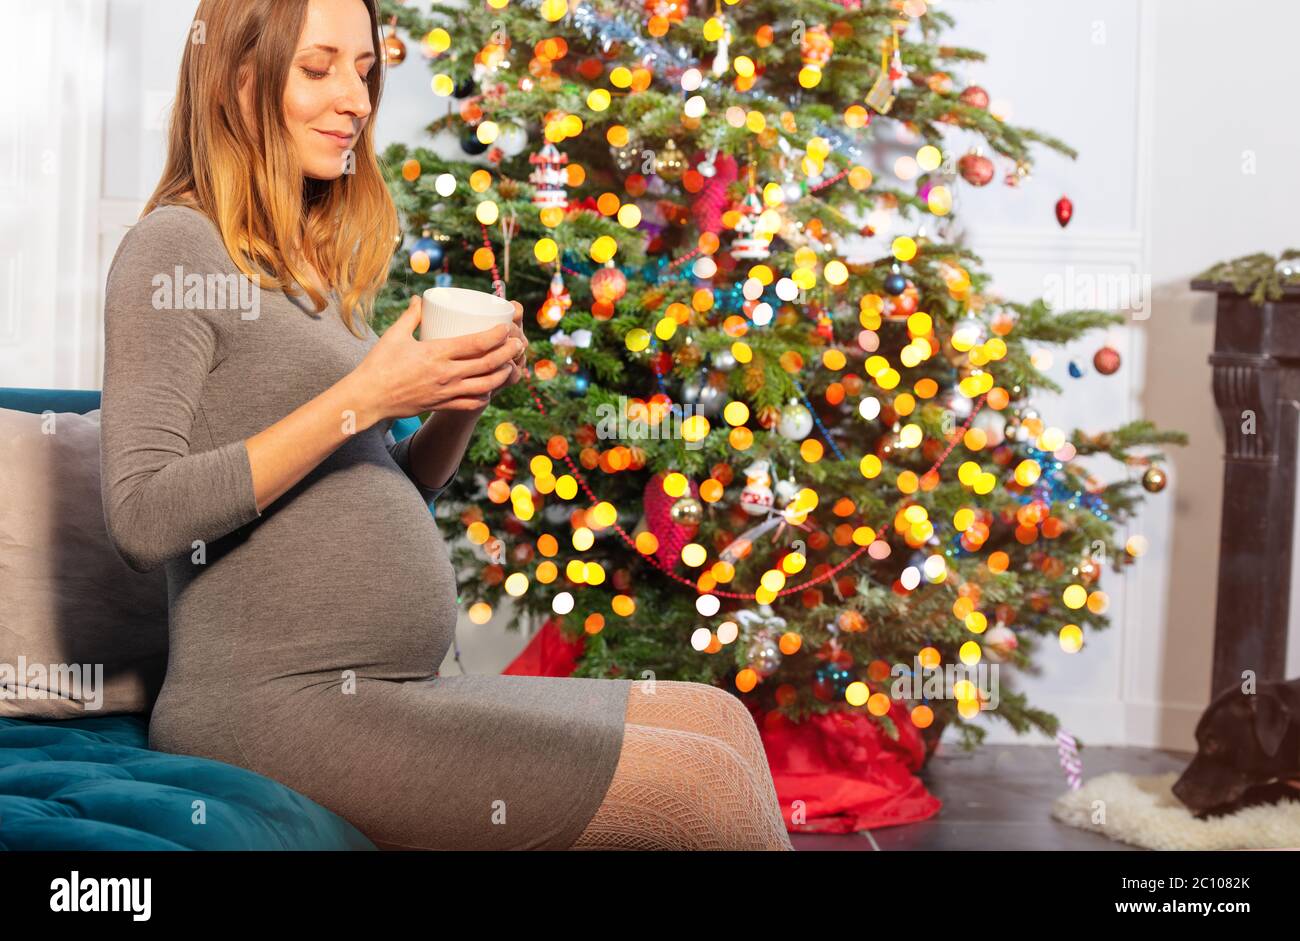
305 640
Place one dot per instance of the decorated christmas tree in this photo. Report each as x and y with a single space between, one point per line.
777 433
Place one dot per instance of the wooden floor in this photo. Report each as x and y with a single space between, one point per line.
999 797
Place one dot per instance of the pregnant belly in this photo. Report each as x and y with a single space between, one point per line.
350 574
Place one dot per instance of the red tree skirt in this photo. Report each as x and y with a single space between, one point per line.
836 773
548 653
848 774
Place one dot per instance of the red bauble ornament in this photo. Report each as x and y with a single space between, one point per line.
1106 360
903 306
975 169
608 285
1064 211
975 96
505 469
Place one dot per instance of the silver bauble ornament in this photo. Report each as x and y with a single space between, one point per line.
796 421
764 655
627 157
959 405
512 140
691 389
710 400
556 512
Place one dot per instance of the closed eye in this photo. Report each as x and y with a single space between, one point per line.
317 76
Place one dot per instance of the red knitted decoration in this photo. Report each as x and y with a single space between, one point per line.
658 509
711 201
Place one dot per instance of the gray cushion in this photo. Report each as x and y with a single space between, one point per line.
81 633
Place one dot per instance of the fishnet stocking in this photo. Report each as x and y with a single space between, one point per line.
697 779
699 707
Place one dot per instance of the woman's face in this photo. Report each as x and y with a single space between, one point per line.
326 101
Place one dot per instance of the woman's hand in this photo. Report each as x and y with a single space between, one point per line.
520 362
403 375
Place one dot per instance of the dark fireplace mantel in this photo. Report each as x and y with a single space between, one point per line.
1256 362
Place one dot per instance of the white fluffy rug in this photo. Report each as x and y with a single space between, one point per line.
1143 811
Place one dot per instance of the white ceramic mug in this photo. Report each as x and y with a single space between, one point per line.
455 312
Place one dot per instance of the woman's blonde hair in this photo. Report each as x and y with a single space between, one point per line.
248 180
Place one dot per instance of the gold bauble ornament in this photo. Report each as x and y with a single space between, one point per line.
687 511
670 164
1154 480
394 48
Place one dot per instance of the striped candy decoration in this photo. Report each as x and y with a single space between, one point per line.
1068 750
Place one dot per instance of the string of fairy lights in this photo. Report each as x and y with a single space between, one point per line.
749 303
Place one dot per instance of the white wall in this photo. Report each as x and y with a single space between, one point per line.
1159 191
1157 99
1207 203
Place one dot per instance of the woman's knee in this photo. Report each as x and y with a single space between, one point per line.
704 697
686 789
705 709
680 762
726 715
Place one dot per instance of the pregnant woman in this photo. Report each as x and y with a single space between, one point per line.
246 412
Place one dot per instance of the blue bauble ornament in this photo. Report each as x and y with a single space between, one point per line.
831 680
895 284
429 247
580 382
1075 370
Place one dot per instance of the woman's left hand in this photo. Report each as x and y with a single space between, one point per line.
520 362
518 365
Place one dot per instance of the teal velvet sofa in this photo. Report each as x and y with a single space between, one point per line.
94 784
